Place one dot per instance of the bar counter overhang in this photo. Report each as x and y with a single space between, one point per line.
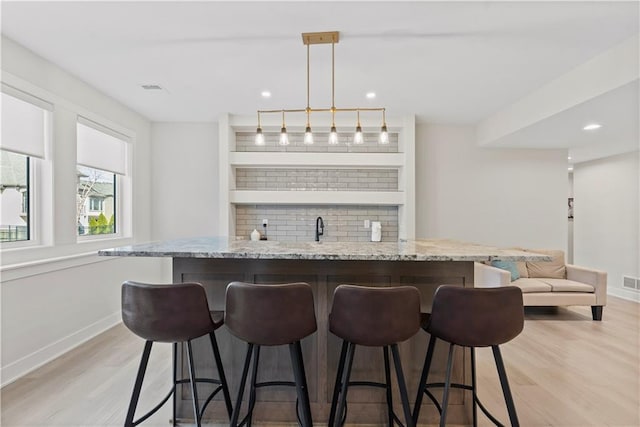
425 264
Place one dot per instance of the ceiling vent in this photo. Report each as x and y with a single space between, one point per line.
151 87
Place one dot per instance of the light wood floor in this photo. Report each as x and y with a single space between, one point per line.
564 369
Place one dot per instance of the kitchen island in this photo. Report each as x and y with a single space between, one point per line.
425 264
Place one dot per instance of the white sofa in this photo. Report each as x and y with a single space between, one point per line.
547 283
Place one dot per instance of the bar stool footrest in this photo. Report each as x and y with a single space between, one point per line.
464 387
271 384
155 408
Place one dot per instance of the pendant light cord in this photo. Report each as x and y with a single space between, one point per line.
308 80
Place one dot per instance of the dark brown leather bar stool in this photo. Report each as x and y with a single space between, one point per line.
471 318
270 315
373 317
175 313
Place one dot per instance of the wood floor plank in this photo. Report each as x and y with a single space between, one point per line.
565 370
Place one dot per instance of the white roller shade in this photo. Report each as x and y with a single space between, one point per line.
98 150
23 127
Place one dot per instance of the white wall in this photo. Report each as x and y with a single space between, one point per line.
606 230
56 296
184 173
501 197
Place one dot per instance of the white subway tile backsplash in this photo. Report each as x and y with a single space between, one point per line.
316 179
297 222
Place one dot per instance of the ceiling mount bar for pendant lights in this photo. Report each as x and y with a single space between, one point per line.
322 38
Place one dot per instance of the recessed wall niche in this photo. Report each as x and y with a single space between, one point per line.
292 185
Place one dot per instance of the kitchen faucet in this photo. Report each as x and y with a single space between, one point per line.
319 228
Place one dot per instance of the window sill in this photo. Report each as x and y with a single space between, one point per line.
35 260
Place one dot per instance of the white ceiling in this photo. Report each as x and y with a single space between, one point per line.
447 62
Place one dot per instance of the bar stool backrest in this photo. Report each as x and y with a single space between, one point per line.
473 317
375 316
166 313
270 314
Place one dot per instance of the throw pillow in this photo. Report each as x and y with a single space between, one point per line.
554 269
510 266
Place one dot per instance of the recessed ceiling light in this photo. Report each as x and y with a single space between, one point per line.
570 168
592 126
371 95
265 94
569 158
151 87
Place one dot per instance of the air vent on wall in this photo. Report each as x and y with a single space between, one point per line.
631 283
151 87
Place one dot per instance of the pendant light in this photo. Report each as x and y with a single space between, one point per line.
309 39
284 137
358 137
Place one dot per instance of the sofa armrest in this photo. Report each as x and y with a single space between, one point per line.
487 276
595 278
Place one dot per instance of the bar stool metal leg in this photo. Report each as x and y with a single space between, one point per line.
175 381
337 422
138 384
423 380
402 386
243 380
474 390
447 388
387 378
194 386
252 389
223 378
295 350
508 398
338 385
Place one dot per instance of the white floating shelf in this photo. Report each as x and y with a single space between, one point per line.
393 198
325 160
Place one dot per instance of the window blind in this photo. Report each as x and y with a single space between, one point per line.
23 126
100 150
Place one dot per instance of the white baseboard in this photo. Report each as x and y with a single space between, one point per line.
624 294
29 363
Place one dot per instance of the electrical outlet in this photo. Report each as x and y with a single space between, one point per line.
265 222
367 223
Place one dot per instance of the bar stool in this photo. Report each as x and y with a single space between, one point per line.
471 318
271 315
373 317
175 313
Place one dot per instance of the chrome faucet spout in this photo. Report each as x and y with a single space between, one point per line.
319 228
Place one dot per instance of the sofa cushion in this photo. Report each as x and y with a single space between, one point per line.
510 266
528 285
522 269
521 265
564 285
554 269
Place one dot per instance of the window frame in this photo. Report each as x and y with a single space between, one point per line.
40 189
122 201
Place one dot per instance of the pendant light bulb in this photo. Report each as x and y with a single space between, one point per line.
284 138
358 137
259 137
308 136
333 136
384 135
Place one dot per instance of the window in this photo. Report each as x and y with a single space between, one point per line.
101 167
14 197
24 132
96 204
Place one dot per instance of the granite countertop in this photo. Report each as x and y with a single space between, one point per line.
411 250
